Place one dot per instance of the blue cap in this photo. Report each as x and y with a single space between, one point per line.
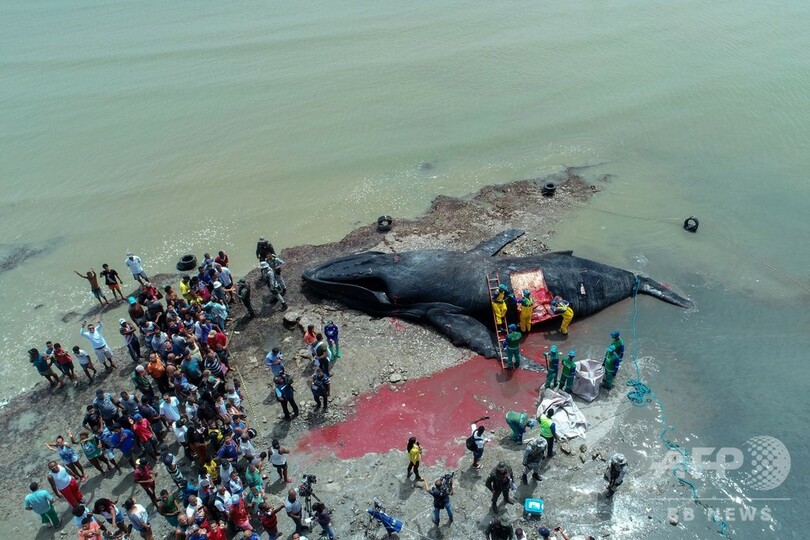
553 348
544 532
502 286
137 417
614 334
572 353
512 327
527 292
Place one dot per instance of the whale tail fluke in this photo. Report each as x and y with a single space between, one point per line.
653 288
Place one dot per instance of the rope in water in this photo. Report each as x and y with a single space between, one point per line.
741 251
640 395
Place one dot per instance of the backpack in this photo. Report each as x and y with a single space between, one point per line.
470 442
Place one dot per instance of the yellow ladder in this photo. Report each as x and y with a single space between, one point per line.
493 285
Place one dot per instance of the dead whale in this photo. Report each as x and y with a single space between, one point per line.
448 289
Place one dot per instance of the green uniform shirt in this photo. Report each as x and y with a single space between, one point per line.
513 341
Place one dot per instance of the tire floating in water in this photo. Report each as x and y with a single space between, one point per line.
384 223
691 224
187 262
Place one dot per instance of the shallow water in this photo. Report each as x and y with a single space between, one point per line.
168 128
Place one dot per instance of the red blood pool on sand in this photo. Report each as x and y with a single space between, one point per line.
437 410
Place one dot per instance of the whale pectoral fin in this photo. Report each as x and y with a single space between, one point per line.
463 331
495 244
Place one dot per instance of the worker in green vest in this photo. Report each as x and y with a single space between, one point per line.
617 342
548 430
611 365
568 371
553 364
513 347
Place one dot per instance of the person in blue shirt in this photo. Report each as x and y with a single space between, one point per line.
331 332
228 451
123 440
275 361
40 502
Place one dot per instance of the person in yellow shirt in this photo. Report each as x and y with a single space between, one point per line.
415 457
558 305
526 308
185 290
499 304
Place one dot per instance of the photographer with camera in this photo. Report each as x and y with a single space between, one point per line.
559 533
441 491
324 518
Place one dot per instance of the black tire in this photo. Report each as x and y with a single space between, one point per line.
187 262
548 189
691 224
384 223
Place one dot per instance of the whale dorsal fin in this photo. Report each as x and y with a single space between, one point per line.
495 244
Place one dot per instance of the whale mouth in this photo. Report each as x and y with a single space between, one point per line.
352 279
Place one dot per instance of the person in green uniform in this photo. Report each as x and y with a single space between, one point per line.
568 371
617 342
611 364
513 347
553 363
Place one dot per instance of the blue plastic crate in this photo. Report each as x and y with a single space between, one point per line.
533 508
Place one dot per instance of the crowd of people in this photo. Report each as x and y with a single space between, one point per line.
184 419
182 423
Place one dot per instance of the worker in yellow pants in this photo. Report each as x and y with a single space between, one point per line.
558 305
526 308
499 304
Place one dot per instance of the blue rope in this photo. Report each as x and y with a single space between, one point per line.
640 395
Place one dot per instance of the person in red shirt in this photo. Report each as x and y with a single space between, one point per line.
216 531
269 519
221 259
64 362
143 430
90 529
310 338
238 514
145 476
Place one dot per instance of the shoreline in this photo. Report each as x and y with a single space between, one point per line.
454 223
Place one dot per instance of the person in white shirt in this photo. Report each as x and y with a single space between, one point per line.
169 409
93 334
133 262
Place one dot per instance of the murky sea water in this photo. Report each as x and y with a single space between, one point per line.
167 128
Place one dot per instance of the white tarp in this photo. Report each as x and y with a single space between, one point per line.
570 421
589 379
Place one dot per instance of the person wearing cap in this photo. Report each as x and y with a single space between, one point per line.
513 347
263 249
141 382
498 482
614 474
533 456
92 332
238 513
618 343
611 364
331 332
553 365
133 262
145 434
276 264
145 476
137 314
499 528
499 304
243 291
526 309
569 371
92 278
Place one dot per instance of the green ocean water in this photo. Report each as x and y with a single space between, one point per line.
174 127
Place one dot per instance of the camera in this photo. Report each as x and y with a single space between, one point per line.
305 489
447 479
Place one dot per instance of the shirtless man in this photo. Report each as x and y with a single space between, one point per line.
92 277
